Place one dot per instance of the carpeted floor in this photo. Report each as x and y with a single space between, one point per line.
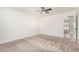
40 43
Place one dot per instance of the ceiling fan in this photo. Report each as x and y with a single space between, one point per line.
45 10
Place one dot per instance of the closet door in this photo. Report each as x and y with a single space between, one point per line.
70 28
73 28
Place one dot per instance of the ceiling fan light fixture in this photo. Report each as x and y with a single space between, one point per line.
42 12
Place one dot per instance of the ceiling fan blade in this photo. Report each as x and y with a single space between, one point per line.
48 9
43 8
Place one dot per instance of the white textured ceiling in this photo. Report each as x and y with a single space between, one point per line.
55 10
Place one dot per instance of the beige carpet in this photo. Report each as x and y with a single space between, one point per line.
40 43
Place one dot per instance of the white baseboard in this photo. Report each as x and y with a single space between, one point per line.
16 39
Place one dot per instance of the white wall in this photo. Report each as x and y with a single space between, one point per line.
15 24
54 24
